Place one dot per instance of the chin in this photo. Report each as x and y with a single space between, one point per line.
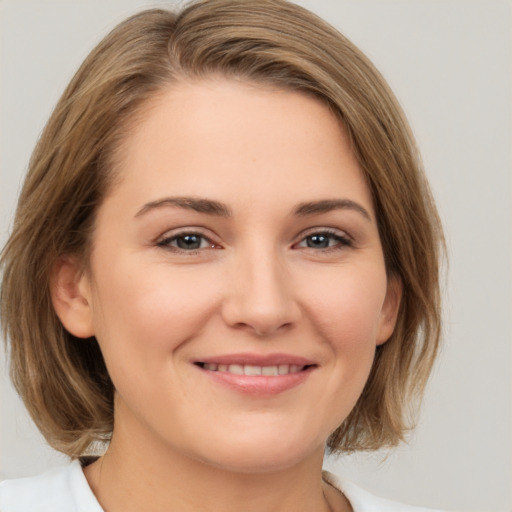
261 455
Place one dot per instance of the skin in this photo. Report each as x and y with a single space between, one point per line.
264 279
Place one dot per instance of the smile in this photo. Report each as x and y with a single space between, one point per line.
253 370
257 375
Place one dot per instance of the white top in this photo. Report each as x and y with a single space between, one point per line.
66 490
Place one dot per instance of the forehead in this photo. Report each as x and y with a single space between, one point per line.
215 136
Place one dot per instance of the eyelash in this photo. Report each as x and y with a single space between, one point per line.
166 243
341 241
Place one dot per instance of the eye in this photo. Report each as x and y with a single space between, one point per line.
187 242
325 240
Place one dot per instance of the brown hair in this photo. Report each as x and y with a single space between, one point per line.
64 381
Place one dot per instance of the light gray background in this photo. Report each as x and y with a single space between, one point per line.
449 62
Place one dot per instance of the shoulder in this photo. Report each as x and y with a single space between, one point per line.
364 501
58 490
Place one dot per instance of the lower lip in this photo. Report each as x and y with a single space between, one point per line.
260 385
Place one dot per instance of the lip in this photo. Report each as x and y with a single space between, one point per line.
258 385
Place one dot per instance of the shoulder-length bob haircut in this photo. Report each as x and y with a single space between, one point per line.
62 379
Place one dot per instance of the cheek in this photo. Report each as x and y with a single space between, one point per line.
146 309
344 312
347 307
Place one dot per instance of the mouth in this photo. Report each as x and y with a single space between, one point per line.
257 375
255 370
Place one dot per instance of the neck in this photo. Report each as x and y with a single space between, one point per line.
135 476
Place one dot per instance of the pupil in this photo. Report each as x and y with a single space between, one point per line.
189 242
318 241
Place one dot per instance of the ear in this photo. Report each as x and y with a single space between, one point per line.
70 293
390 308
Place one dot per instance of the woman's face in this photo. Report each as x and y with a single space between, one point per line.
237 285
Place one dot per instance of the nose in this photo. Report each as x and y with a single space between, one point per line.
260 297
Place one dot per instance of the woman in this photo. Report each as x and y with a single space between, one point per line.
224 259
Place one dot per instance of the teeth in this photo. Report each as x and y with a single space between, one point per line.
237 369
283 369
269 370
252 370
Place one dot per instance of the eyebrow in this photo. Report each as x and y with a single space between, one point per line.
328 205
212 207
200 205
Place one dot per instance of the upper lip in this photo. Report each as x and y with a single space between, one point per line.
257 359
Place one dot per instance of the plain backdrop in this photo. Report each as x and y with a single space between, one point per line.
450 64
